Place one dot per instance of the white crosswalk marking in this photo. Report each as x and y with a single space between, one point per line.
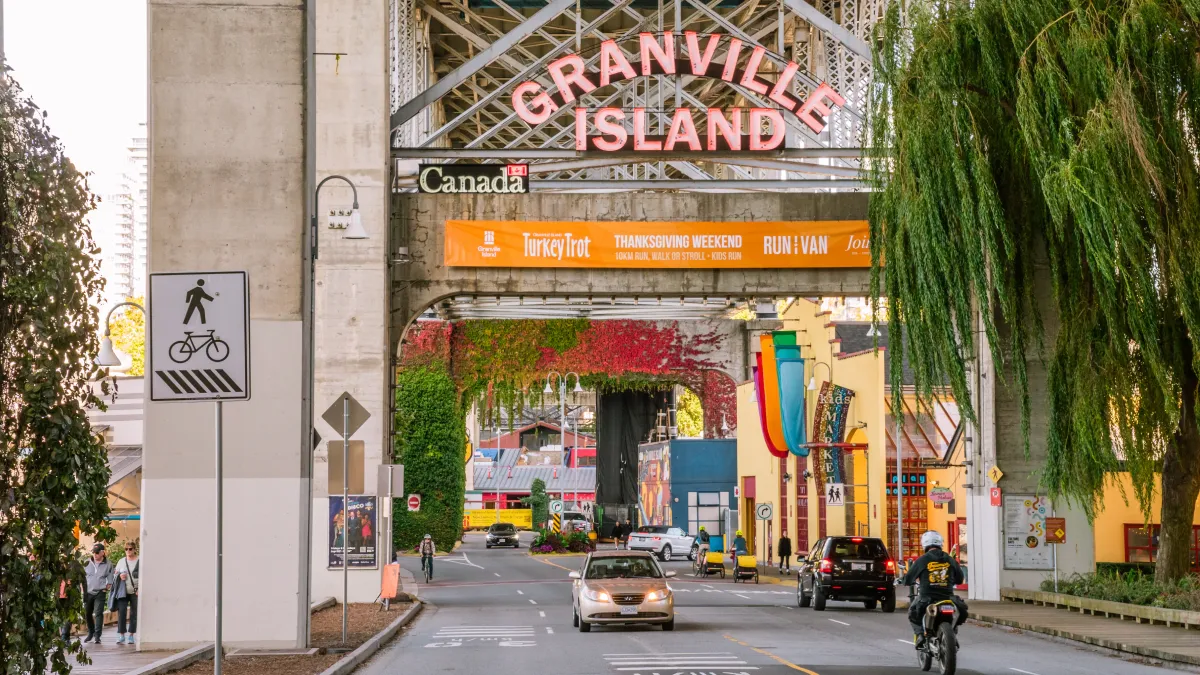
659 662
484 632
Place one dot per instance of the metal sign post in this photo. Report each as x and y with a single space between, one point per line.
200 351
346 419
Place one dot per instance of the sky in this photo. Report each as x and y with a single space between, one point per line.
84 62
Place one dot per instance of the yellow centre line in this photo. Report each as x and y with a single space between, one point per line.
768 654
543 560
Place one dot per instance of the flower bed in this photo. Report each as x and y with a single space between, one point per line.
1134 588
554 542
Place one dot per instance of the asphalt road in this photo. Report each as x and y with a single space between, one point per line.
502 611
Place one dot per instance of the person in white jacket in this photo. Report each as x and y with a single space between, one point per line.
128 571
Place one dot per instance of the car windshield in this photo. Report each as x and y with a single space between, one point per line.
653 529
863 549
623 567
502 528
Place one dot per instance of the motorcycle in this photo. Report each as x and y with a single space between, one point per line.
941 641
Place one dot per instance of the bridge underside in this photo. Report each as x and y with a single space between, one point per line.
423 280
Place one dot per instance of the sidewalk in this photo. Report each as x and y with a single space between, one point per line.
1154 641
109 658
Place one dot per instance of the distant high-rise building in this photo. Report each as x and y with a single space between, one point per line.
116 247
136 212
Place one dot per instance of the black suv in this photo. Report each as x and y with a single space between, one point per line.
847 568
503 534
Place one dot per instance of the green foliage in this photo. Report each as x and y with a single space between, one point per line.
1016 133
1134 588
53 470
539 502
429 441
128 332
690 416
554 542
1121 568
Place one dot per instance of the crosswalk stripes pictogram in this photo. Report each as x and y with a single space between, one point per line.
199 381
500 636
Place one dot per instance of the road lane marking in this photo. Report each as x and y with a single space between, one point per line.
710 661
1023 671
464 560
520 592
542 614
777 659
833 620
533 602
496 573
554 564
744 597
906 642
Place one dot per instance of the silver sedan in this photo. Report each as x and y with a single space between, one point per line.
621 587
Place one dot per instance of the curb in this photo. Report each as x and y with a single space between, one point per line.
1088 639
322 604
367 649
175 662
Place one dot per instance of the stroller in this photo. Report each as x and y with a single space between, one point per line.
712 563
745 568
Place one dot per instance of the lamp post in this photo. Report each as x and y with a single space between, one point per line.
562 399
108 356
354 230
812 380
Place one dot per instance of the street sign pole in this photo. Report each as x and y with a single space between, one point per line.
345 513
219 653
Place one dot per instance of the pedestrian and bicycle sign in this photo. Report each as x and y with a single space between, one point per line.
199 336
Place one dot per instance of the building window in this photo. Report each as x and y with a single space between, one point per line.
1141 544
585 460
704 508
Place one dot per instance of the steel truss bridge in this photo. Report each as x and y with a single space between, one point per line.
455 63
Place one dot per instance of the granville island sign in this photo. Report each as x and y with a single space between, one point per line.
618 129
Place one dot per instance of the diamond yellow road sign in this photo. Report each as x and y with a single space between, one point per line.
995 474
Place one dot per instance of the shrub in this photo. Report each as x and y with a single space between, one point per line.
1133 587
546 541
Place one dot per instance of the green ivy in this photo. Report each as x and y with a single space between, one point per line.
538 502
429 441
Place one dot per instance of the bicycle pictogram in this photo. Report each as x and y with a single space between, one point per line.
215 348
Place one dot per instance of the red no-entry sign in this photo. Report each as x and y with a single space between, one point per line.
414 502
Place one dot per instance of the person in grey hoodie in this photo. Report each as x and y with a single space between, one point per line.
99 580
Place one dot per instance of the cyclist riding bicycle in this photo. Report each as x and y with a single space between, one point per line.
702 540
938 574
426 550
739 544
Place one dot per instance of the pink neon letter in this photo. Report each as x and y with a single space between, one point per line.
577 76
581 129
731 132
731 59
752 64
665 55
779 92
757 115
639 132
816 103
613 62
682 129
543 105
700 63
614 129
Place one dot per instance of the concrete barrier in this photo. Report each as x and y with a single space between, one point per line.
1139 613
367 649
175 662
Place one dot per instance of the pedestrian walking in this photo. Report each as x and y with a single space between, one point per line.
98 579
126 596
616 534
785 554
625 532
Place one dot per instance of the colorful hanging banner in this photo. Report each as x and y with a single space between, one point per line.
773 429
791 391
829 426
762 409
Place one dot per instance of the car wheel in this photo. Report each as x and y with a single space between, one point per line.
869 604
670 625
489 545
692 552
584 627
803 599
818 598
665 554
889 602
574 618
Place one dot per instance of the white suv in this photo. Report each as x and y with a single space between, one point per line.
662 540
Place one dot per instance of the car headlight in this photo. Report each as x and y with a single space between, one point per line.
597 596
655 596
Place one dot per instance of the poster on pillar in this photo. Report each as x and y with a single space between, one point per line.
1025 546
352 532
675 245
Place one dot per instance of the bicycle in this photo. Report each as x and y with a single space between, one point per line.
425 567
215 348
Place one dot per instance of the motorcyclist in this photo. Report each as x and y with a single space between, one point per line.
426 550
938 574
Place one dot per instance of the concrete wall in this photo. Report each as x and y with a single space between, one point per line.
226 162
351 275
421 221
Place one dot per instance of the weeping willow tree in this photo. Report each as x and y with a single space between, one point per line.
1055 135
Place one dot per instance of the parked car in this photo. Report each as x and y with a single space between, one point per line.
503 534
662 540
574 521
615 587
847 568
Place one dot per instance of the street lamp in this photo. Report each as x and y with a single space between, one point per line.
108 356
812 381
354 230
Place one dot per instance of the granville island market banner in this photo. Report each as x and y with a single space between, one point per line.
681 244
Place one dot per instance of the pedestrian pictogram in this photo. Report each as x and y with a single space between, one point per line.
199 336
835 494
994 474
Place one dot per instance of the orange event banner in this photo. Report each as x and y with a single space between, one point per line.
681 244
